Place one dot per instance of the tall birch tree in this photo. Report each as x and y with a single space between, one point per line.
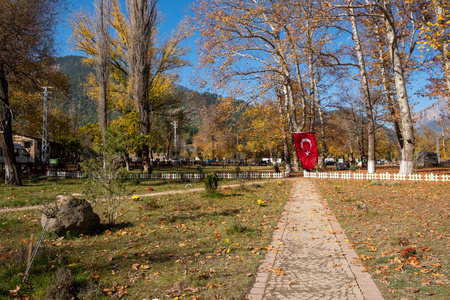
366 93
407 144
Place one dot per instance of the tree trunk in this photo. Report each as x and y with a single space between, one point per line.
286 154
6 139
366 92
126 157
292 120
406 164
360 137
387 92
287 157
302 94
312 102
290 107
390 102
102 69
142 15
322 125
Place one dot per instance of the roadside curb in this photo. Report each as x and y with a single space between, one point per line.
363 278
257 291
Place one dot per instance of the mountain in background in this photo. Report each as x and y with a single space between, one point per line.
78 101
85 108
431 115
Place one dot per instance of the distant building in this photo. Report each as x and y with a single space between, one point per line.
34 146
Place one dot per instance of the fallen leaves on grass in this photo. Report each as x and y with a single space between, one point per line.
117 291
13 293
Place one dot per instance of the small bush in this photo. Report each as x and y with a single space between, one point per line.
63 287
43 255
211 183
242 187
151 204
276 168
236 228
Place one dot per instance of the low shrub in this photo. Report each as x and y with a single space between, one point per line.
211 183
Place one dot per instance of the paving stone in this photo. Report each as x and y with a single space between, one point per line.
312 257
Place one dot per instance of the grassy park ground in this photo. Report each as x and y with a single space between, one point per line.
194 246
191 246
400 230
36 191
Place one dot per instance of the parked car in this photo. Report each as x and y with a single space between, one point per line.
341 166
21 154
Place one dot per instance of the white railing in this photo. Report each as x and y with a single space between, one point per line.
377 176
171 176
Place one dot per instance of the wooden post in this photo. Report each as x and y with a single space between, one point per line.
30 249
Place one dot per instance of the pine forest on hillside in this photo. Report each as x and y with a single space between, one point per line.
343 69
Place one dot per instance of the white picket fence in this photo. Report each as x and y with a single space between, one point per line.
377 176
169 176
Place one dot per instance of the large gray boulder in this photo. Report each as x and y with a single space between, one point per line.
70 214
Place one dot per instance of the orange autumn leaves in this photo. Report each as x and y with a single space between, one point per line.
402 236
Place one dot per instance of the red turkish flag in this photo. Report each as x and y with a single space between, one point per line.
305 143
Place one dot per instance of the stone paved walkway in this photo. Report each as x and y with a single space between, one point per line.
310 257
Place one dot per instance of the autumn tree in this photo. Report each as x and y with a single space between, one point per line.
426 140
216 137
350 137
128 125
435 31
386 144
262 128
366 92
140 68
141 37
266 47
398 66
400 36
102 8
26 48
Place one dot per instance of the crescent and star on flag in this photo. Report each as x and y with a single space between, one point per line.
306 140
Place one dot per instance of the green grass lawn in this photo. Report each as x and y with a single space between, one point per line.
46 190
212 169
190 246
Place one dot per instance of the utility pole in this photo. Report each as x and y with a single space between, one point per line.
174 136
437 148
45 144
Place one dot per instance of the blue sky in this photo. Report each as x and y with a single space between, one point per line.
172 12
